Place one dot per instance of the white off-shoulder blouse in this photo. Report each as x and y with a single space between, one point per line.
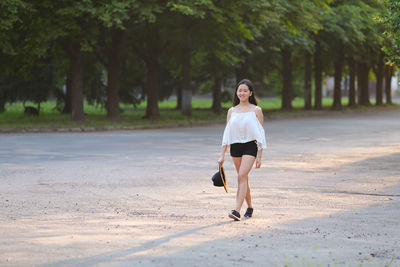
242 128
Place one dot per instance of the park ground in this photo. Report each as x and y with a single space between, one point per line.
327 194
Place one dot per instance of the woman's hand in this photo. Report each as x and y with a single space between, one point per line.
258 158
258 162
222 158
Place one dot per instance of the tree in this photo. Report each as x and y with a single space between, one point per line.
150 49
388 83
215 33
299 18
378 67
367 48
391 20
12 13
70 25
352 81
307 80
318 64
189 15
113 17
342 29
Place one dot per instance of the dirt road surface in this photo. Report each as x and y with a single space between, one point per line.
327 194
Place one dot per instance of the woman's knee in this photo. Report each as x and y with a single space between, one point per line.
242 178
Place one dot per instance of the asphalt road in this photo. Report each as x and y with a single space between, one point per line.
328 193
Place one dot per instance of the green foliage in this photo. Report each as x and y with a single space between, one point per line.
12 13
223 37
113 13
36 85
193 8
349 25
391 20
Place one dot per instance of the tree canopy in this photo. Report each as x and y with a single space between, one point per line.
129 51
391 19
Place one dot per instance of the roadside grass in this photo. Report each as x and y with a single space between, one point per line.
96 116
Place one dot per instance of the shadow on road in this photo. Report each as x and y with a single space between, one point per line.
107 257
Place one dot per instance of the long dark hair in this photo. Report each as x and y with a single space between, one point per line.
252 98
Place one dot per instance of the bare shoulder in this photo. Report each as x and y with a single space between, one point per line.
257 109
228 116
259 114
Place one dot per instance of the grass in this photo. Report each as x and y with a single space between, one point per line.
96 117
13 119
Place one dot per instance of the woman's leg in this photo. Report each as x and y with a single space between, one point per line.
248 196
237 161
243 180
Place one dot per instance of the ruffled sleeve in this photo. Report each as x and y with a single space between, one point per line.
260 133
227 137
260 138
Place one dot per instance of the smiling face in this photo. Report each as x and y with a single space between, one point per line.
243 93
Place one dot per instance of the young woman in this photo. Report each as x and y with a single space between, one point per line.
245 135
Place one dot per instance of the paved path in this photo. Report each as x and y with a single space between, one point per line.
328 193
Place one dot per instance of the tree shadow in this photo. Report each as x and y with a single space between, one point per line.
107 257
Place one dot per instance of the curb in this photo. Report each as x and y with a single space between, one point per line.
111 128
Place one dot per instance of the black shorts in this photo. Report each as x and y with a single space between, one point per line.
240 149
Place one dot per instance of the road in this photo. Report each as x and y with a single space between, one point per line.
328 193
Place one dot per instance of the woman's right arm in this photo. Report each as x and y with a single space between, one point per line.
222 158
228 116
223 148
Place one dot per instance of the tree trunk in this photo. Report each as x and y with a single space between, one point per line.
307 81
217 95
114 68
179 96
186 81
187 102
318 75
2 105
287 78
363 72
352 90
388 84
152 110
379 79
76 61
151 58
67 97
337 92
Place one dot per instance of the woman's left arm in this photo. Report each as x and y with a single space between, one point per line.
258 158
260 117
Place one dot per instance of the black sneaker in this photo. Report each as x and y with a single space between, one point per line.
234 215
249 213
